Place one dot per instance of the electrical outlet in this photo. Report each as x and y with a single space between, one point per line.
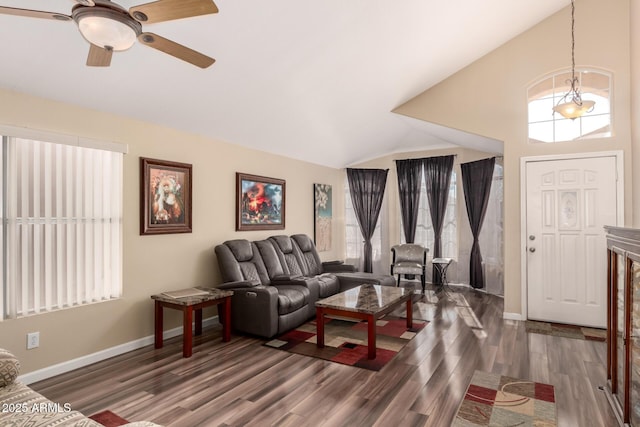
33 340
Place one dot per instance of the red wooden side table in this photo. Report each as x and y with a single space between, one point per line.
189 304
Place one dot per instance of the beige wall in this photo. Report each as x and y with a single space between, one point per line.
634 16
157 263
489 98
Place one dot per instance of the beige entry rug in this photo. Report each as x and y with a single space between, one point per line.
498 400
567 331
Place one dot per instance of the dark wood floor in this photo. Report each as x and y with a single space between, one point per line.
244 383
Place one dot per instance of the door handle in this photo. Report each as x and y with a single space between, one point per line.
532 250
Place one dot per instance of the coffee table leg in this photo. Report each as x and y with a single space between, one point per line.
198 322
409 313
371 335
319 327
187 338
226 315
159 326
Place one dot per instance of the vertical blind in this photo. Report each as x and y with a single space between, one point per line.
61 226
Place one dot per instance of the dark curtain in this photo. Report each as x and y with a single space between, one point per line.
409 181
476 181
437 173
367 190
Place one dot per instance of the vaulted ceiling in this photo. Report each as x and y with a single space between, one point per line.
315 81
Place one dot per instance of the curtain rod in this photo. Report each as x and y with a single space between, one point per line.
418 158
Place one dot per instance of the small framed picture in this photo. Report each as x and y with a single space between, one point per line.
259 203
323 213
165 197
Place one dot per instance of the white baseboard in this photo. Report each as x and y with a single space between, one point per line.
70 365
512 316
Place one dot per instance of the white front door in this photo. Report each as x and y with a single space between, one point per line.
567 204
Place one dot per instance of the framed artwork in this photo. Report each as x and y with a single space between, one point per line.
259 203
165 197
323 213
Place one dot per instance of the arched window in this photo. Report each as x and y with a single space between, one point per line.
547 126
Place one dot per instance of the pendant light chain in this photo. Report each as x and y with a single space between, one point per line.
577 98
573 41
571 105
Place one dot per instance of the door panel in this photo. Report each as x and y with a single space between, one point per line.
567 204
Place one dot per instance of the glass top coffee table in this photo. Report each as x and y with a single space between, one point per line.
366 302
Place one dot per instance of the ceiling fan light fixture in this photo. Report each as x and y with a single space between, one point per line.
107 28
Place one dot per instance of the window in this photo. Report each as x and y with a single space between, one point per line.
424 228
355 242
61 224
547 126
492 235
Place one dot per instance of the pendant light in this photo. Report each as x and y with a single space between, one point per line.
571 106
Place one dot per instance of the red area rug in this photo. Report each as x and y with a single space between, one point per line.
497 400
346 341
108 419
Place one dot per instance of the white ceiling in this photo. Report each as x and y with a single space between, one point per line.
315 81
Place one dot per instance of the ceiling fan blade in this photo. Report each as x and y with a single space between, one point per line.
34 13
167 10
99 57
174 49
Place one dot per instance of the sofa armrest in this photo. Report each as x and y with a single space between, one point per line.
9 368
254 310
237 285
311 283
337 267
286 277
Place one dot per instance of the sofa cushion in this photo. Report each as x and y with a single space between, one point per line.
310 255
312 263
304 242
270 258
240 260
9 368
241 249
292 298
290 256
407 267
329 284
250 272
284 242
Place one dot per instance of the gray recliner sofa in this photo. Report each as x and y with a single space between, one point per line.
277 281
346 274
260 306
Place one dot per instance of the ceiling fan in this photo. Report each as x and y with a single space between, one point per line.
108 27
